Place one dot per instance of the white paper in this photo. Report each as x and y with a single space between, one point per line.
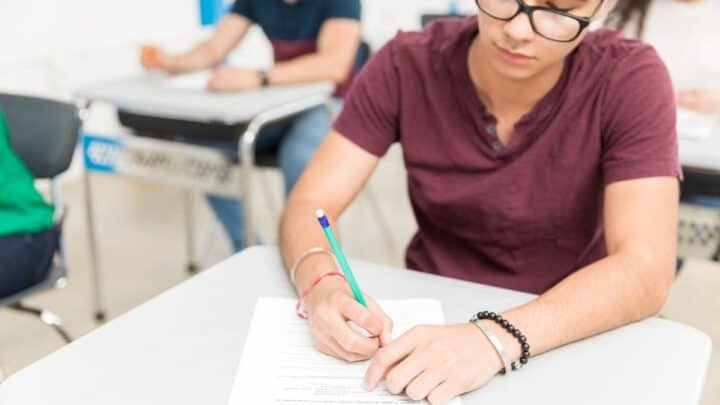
190 81
694 125
280 365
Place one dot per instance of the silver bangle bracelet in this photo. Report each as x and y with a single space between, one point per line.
304 255
495 341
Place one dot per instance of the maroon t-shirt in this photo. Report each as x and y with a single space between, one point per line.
525 215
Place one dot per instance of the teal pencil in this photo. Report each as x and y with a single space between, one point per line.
344 266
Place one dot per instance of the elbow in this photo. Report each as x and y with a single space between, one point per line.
339 72
339 77
656 285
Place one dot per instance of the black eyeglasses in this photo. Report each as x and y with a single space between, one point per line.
555 25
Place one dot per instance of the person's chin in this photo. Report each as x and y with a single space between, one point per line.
514 72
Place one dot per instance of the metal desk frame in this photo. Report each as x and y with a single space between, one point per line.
247 142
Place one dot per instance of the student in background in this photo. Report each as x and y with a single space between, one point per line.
690 53
541 157
312 40
28 241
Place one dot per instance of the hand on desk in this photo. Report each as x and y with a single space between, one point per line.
435 362
330 306
699 100
154 58
229 78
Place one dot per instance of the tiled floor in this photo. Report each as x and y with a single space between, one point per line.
143 253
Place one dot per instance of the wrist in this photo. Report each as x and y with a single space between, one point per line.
171 64
319 291
512 347
325 287
310 268
499 333
487 351
263 77
510 342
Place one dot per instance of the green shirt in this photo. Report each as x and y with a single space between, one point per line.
22 208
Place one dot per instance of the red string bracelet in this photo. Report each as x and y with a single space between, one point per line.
305 293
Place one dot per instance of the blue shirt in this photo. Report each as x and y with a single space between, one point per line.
293 29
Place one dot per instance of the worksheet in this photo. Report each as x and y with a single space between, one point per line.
279 364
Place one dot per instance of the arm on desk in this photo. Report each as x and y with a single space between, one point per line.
231 30
630 284
331 181
699 100
337 46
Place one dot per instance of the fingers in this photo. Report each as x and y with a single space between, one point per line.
329 326
387 323
362 316
326 344
444 393
354 342
228 78
149 57
400 376
699 100
389 355
426 382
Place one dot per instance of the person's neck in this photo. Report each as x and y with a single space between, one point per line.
501 94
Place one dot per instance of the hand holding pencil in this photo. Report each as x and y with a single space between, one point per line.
334 304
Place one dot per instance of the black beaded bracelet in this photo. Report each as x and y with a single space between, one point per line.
497 318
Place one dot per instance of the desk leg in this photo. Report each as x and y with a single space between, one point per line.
246 146
192 267
247 160
92 250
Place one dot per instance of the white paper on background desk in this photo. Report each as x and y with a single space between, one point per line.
280 365
694 125
189 81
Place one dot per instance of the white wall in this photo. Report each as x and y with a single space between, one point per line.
48 47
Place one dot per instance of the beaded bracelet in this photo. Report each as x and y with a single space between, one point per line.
498 319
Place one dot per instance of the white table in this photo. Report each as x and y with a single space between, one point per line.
152 96
183 347
702 154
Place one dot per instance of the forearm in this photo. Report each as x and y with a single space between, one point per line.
231 29
618 290
332 179
311 68
299 231
203 56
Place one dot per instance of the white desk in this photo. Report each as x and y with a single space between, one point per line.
151 96
702 154
183 347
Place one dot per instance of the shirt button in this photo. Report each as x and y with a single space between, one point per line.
490 129
497 145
